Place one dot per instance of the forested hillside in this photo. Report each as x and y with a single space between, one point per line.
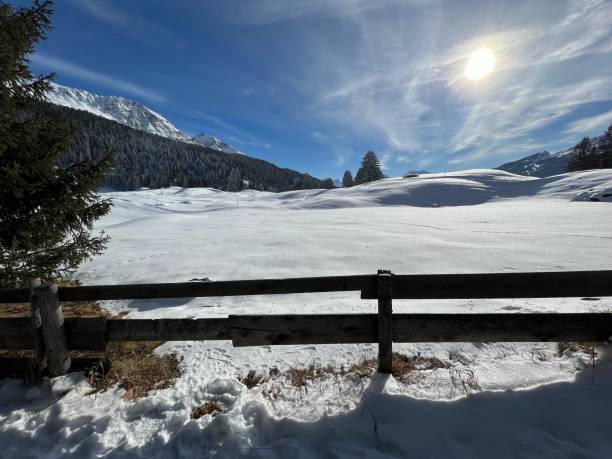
147 160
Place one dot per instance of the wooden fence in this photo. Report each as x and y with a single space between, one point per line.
52 336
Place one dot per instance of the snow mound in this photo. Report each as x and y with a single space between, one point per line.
463 188
466 188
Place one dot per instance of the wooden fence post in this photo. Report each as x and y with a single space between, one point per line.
385 314
46 300
39 345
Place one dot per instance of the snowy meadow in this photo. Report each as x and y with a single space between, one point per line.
487 400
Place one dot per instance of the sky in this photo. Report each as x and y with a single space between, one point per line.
313 85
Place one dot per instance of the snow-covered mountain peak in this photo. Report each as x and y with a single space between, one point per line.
116 108
210 141
130 113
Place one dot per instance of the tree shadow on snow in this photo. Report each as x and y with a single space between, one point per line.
47 429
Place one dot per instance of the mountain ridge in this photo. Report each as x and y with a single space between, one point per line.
542 164
213 142
143 159
132 114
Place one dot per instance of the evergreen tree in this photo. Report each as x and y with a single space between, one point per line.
583 157
347 179
369 170
328 183
46 210
605 148
234 181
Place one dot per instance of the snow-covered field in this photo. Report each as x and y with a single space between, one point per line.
528 401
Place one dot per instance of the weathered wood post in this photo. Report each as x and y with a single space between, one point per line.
385 314
46 300
39 345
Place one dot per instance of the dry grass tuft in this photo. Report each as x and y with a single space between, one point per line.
299 377
252 379
213 408
136 369
586 347
465 379
364 368
404 368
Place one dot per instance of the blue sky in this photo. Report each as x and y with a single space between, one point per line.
313 85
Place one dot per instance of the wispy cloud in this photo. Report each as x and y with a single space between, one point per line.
231 133
133 26
271 11
591 123
68 68
337 144
497 129
103 11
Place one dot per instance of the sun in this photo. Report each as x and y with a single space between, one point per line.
481 63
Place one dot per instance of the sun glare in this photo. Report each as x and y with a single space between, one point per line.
481 63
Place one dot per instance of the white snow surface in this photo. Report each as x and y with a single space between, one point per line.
528 401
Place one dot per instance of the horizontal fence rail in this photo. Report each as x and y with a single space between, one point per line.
415 286
498 285
420 328
51 335
92 334
201 289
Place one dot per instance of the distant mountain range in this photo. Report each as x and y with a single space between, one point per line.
132 114
543 164
209 141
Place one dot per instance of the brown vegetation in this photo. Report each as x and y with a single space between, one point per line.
252 379
213 408
135 368
299 377
465 379
404 369
586 347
